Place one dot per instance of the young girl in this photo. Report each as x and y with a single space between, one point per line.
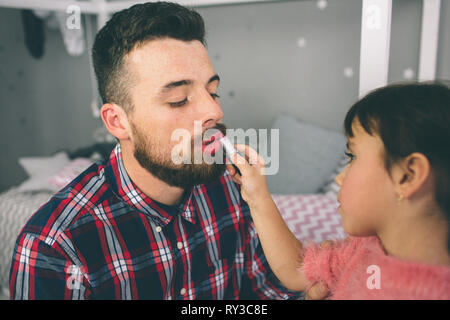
394 201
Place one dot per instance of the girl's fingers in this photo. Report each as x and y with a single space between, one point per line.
231 169
229 166
240 162
252 156
237 179
327 244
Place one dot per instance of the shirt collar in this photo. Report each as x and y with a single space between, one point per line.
127 191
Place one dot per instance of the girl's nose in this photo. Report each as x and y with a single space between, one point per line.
341 176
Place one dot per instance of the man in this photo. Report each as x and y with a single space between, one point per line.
140 226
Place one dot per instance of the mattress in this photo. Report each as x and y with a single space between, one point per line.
15 209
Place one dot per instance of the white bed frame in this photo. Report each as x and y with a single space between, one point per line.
375 31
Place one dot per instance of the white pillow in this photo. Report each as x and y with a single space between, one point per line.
69 172
35 166
40 169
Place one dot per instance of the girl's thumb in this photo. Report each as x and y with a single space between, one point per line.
239 161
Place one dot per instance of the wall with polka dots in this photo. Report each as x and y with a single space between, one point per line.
294 57
302 57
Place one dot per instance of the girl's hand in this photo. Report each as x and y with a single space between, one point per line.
254 188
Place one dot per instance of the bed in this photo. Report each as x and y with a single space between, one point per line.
46 175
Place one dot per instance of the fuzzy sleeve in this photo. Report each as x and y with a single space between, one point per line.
326 264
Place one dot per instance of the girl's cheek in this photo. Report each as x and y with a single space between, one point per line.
344 199
349 193
344 180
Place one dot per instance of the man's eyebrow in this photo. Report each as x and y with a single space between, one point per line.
185 82
214 78
175 84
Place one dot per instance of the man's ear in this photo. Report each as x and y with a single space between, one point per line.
116 121
411 174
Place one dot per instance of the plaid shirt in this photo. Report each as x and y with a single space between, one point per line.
102 238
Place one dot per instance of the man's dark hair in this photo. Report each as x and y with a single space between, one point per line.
410 117
131 27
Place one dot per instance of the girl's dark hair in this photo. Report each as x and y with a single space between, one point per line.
410 117
135 26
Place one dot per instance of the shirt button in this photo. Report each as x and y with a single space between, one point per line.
183 291
180 245
158 229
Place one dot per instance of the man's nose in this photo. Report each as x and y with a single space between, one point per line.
211 111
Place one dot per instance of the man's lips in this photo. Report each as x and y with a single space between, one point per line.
212 145
216 136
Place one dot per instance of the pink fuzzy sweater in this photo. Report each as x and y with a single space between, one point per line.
360 269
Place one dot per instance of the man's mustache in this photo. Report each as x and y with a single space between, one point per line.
208 133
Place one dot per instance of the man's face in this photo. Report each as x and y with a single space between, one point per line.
176 86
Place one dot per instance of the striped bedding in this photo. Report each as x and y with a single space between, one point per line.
15 209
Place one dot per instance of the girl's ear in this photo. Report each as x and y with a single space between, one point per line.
411 174
116 121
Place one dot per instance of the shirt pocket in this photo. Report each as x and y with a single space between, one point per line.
226 238
211 282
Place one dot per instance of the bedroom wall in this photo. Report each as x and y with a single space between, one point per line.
291 57
44 103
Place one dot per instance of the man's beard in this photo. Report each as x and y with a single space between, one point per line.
183 175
